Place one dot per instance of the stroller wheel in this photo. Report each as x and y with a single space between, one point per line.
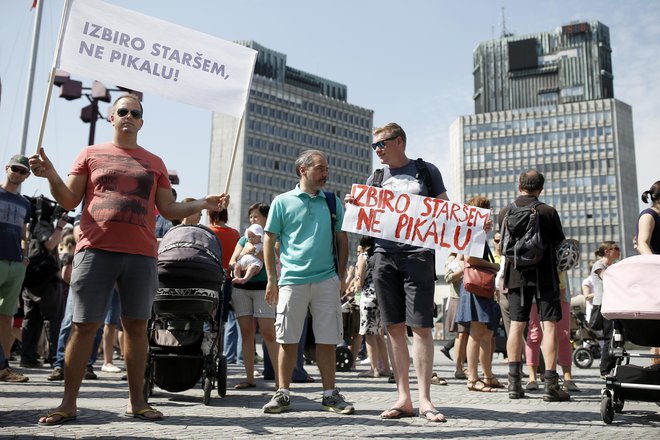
583 358
208 386
221 376
618 406
606 409
344 359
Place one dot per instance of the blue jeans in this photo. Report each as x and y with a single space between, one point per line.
65 330
3 361
233 343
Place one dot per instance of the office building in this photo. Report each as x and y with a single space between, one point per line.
288 111
546 101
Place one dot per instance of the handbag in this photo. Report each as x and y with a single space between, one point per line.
479 280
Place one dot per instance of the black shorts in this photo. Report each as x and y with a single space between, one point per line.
521 300
405 286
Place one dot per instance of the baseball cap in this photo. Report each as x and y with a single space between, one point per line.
19 161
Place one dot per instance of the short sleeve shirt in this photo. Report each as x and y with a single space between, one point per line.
14 214
120 198
302 223
228 238
404 179
597 281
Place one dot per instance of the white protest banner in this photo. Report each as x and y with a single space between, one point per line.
119 46
416 220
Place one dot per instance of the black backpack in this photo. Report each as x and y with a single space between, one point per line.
522 244
423 174
331 200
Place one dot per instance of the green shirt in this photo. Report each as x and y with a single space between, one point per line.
302 223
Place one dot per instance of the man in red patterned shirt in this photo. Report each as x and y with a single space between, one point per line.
120 184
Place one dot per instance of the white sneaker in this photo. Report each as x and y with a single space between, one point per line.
365 361
111 368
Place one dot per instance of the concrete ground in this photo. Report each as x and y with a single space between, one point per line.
239 415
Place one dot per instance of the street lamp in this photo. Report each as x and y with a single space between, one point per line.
71 89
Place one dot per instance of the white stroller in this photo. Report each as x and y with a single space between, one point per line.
632 298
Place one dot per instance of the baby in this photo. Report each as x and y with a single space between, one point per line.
248 265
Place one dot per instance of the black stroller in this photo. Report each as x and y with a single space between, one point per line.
631 298
584 339
185 332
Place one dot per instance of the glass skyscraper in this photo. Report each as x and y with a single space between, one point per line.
288 111
546 101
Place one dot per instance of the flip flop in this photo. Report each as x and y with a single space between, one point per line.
425 415
140 414
64 418
400 414
243 385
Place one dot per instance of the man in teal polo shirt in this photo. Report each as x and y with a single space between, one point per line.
300 219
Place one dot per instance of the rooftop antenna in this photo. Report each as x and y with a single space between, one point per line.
505 32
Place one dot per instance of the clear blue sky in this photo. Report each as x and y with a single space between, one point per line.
410 61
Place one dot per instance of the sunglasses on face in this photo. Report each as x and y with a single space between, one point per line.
381 144
136 114
19 170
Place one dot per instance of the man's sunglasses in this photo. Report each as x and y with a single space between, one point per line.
381 144
19 170
137 114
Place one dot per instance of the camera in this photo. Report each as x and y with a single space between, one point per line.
47 211
61 213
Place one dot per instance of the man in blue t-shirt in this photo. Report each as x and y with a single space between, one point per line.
14 218
301 220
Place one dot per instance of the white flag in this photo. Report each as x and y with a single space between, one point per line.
122 47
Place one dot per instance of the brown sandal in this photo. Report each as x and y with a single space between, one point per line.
437 380
493 382
479 385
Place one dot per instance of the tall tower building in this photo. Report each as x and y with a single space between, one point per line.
546 101
288 111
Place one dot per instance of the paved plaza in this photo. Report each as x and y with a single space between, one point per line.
239 415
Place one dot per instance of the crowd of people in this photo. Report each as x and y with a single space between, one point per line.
285 276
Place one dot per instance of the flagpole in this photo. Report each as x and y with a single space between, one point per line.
233 153
51 78
31 69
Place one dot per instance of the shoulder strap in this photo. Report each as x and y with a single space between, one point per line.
536 204
424 175
331 200
377 181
